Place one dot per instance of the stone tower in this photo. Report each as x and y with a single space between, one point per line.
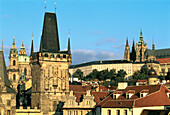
13 70
127 51
49 68
141 47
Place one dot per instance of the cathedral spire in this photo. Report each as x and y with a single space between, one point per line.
69 49
32 48
153 44
127 42
13 44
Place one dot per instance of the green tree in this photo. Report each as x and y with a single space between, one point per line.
78 74
140 74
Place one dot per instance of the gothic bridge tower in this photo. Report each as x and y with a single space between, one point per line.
49 68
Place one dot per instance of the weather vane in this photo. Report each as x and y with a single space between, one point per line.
45 6
55 7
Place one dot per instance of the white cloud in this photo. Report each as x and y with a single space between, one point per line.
83 55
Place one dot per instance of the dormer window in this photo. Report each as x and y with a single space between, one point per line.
143 93
116 94
129 94
168 94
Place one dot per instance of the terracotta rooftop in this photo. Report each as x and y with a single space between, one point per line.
155 97
79 88
98 96
103 88
163 60
142 80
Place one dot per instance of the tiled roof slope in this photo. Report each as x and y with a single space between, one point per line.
157 97
163 60
79 88
98 96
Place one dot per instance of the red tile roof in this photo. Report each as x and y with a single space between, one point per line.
79 88
156 97
98 96
115 103
103 88
142 80
163 60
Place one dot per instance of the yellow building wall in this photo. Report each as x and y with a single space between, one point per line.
104 111
138 110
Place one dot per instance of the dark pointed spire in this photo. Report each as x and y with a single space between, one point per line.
127 42
153 44
69 49
141 36
133 53
3 71
50 38
32 47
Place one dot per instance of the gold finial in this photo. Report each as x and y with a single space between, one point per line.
32 35
13 40
141 33
45 6
55 7
69 33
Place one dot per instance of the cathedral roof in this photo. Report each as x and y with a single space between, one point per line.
160 53
50 37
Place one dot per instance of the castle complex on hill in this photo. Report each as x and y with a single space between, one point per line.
139 56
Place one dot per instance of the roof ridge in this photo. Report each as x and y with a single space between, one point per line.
105 98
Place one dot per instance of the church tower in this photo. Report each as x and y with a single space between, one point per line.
49 68
13 70
127 51
141 47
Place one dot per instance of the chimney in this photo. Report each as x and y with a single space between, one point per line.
122 85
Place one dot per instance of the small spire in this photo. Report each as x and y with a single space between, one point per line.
45 6
127 42
13 41
55 7
141 36
153 44
69 49
32 48
22 43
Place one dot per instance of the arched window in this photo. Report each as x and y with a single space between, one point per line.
13 62
25 71
14 77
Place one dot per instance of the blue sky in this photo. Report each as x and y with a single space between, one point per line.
98 27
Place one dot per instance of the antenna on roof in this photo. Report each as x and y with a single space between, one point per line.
45 6
55 8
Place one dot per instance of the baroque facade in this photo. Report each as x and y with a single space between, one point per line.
18 64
